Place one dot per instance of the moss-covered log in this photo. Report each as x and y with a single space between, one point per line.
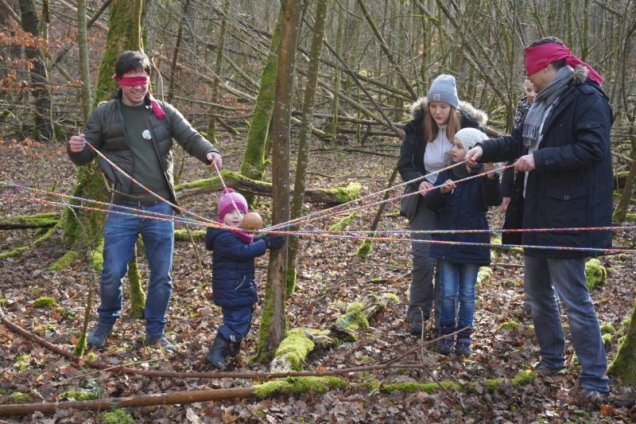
329 196
42 220
300 342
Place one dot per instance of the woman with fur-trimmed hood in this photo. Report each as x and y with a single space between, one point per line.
424 151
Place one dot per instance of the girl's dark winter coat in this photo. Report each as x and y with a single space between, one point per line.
233 275
463 209
571 185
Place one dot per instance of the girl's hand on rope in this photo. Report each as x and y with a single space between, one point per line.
425 187
448 186
77 143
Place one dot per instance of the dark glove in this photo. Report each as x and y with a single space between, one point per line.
274 241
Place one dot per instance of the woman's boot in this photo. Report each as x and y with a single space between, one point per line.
445 345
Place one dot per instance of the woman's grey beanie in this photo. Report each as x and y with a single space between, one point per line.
443 89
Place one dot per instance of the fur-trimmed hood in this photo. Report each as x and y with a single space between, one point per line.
418 109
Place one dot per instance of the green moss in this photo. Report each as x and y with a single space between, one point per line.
292 275
298 385
392 298
22 362
353 319
78 395
624 364
630 217
295 347
485 272
343 194
19 397
595 274
32 221
135 290
45 302
343 223
509 325
494 384
607 340
523 377
413 387
364 250
607 328
117 416
184 235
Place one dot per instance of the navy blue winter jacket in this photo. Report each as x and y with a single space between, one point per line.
463 209
233 279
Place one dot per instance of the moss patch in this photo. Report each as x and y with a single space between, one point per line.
343 194
413 387
364 250
295 347
509 325
353 319
44 302
595 274
117 416
343 223
523 377
78 395
19 397
298 385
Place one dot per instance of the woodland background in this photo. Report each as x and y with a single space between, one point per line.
215 60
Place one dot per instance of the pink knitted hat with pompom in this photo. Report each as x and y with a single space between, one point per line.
229 201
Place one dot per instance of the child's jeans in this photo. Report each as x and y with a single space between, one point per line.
236 323
457 281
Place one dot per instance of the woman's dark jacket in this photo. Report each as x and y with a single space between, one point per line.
571 185
411 161
233 279
463 209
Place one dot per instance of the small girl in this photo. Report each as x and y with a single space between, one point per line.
233 275
461 206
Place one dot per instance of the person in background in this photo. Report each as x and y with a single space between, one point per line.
233 275
135 132
426 149
567 174
461 206
511 186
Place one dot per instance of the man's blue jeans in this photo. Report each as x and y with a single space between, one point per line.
567 276
120 236
457 283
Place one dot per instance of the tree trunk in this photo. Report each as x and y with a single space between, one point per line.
218 67
175 53
39 77
254 158
624 365
303 138
85 92
273 320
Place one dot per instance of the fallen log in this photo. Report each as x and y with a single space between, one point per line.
329 196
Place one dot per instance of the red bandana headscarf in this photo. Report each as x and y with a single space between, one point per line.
538 57
138 81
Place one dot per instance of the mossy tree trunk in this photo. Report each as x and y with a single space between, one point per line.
273 321
83 229
624 365
255 156
303 137
82 43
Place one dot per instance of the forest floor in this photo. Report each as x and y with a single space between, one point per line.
330 277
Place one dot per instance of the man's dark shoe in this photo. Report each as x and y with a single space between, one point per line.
99 334
417 329
543 369
161 341
233 349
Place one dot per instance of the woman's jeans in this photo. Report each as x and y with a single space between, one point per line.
120 236
567 276
457 283
422 292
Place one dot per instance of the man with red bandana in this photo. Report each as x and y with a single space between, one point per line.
567 174
135 132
